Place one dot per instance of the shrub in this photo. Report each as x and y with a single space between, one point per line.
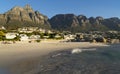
38 41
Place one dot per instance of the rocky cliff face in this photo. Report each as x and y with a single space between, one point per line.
64 21
75 23
26 16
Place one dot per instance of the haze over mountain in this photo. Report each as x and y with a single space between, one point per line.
23 16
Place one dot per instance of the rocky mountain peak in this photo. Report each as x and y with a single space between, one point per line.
99 18
28 8
23 16
82 17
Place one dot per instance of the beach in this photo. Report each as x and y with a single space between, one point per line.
11 54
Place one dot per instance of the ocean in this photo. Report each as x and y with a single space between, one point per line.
4 71
101 60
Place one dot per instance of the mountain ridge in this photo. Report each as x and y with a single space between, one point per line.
23 16
79 23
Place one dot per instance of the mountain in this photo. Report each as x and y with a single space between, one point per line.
25 17
22 17
71 22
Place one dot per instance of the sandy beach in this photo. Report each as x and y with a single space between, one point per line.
11 54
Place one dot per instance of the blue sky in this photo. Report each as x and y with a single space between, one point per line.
105 8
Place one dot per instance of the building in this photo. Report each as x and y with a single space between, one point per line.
58 36
24 37
2 28
34 37
11 35
42 30
69 37
28 29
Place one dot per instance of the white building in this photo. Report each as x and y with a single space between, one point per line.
49 31
69 37
2 28
11 35
57 36
24 37
27 29
42 30
34 37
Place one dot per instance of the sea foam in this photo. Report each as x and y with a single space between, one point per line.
77 50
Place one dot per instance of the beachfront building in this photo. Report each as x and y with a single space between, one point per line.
69 37
115 32
27 29
42 30
49 31
115 41
11 35
34 37
57 36
24 37
2 28
45 37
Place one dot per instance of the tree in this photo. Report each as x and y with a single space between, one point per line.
2 33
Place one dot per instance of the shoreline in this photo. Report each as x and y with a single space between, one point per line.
11 54
18 51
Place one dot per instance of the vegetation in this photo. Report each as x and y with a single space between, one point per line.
2 35
38 41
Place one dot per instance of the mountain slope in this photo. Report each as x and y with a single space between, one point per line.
20 17
71 22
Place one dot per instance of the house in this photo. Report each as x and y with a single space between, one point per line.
57 36
2 28
115 41
49 31
42 30
32 28
24 37
34 37
113 32
24 30
69 37
27 29
11 35
45 37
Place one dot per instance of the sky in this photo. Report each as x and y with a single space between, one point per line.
104 8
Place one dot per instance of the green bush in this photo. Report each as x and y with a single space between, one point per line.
38 41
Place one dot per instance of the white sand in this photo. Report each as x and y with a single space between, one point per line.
11 53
